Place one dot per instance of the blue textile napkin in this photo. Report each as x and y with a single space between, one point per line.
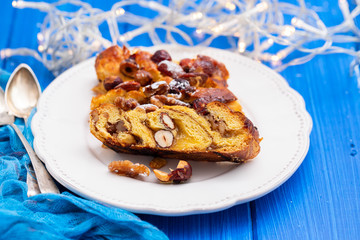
54 216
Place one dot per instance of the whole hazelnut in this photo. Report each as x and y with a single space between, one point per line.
160 55
111 82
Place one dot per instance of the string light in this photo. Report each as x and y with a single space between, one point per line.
40 37
41 48
288 31
217 29
262 6
68 37
196 15
241 46
119 11
230 6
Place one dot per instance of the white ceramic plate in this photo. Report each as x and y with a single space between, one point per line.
77 160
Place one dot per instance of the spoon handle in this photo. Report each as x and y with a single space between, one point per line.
33 186
46 183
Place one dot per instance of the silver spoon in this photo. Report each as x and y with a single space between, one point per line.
21 96
5 119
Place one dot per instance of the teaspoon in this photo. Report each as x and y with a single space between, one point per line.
21 96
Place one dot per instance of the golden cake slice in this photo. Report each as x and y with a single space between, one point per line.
149 104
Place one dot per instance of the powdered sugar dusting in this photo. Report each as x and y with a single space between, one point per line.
145 106
172 67
156 85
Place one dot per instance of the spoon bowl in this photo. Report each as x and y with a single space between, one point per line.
22 91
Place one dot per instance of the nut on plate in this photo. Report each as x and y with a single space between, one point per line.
129 169
182 173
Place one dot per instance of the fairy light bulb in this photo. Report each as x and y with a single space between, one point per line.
199 34
40 37
260 7
41 48
217 29
275 58
119 11
230 6
241 46
287 31
196 15
18 4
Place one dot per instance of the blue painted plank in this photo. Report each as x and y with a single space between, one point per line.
24 29
233 223
6 26
322 199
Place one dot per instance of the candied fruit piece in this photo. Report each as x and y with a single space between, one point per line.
157 163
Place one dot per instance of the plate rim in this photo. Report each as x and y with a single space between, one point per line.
235 199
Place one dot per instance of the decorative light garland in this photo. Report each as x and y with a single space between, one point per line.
252 28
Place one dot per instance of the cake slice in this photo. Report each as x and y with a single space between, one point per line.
149 104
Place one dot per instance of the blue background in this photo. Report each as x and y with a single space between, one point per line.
320 201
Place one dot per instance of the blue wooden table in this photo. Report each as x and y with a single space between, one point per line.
320 201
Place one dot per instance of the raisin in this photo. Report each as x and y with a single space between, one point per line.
180 85
195 79
143 77
186 64
170 69
160 55
111 82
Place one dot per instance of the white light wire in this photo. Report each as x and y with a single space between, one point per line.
251 27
